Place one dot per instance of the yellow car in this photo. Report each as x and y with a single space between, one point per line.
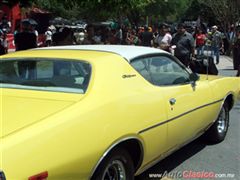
103 112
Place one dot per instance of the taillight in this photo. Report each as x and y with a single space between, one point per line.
40 176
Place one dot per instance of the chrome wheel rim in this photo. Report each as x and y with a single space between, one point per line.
115 171
221 127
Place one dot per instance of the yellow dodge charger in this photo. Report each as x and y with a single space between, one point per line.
103 112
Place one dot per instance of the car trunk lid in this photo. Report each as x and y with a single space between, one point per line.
22 108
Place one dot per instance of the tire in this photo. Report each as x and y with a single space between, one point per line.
118 165
217 132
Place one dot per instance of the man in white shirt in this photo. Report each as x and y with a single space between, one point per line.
48 35
164 38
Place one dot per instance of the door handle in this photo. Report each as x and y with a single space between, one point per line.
172 101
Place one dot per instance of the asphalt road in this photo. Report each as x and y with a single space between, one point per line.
222 160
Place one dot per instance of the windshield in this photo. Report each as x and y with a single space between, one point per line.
45 74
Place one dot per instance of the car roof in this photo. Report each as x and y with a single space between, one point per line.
126 51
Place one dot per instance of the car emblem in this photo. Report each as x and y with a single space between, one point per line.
128 75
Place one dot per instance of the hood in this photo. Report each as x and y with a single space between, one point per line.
19 109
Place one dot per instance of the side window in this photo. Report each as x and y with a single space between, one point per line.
161 70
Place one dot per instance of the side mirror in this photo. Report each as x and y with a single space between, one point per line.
194 77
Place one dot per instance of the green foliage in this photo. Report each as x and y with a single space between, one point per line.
226 11
135 10
200 10
67 9
170 10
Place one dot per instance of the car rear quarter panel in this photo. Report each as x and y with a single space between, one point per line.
69 144
224 86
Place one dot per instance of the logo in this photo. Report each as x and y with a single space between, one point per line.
128 75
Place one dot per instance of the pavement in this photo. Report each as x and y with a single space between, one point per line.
225 62
225 66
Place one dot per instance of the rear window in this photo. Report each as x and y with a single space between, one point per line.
45 74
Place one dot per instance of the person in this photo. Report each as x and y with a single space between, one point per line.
33 29
24 40
79 35
3 43
236 52
63 37
48 35
97 38
164 38
2 49
88 39
216 38
146 37
231 36
200 42
184 43
119 35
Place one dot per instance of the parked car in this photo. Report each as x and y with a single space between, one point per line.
103 111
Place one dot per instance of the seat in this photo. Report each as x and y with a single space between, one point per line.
63 81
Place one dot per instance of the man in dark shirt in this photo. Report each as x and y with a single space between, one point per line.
26 40
184 43
146 37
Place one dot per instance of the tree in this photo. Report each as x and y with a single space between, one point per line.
196 10
168 10
99 10
227 12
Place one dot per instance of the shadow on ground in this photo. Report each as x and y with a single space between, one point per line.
174 160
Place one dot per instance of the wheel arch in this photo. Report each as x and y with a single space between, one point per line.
132 145
229 99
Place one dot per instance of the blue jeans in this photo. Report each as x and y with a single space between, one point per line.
215 51
200 50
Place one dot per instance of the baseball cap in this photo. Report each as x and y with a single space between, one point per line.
214 27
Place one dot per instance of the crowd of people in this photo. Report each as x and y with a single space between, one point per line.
182 43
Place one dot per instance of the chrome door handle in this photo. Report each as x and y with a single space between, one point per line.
172 101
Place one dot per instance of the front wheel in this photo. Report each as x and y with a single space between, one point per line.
117 165
217 132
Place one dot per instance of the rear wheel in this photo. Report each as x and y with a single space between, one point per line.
117 165
218 130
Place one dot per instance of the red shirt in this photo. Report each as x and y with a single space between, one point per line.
200 39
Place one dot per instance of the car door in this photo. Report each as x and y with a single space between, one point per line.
188 103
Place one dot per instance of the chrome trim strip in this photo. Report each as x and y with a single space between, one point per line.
183 114
111 147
